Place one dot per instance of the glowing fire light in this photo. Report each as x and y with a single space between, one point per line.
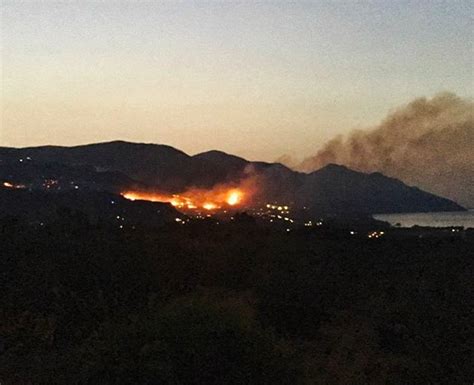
209 206
234 198
195 199
14 186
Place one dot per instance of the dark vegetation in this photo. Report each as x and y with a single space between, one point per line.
230 304
40 206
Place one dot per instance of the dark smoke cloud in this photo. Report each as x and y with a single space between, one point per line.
428 143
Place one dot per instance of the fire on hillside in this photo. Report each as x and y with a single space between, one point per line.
13 185
215 199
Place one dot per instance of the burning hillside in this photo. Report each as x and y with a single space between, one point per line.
231 186
220 197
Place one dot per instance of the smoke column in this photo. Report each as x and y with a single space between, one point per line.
428 143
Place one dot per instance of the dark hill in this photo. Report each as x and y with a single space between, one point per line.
332 189
41 207
35 174
149 163
344 190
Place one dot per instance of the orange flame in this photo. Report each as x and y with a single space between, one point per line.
234 197
219 197
13 186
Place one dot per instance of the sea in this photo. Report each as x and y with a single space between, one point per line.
431 219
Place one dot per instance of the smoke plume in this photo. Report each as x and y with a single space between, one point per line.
428 143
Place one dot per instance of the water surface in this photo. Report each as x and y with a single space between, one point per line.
432 219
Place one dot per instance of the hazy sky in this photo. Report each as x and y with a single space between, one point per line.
258 80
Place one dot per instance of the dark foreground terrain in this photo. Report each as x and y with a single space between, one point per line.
231 304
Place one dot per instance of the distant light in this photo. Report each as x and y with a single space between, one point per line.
375 234
11 185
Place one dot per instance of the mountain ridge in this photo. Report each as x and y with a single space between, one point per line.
333 188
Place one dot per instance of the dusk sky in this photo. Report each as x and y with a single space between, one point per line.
257 80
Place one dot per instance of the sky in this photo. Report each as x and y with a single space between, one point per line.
257 79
